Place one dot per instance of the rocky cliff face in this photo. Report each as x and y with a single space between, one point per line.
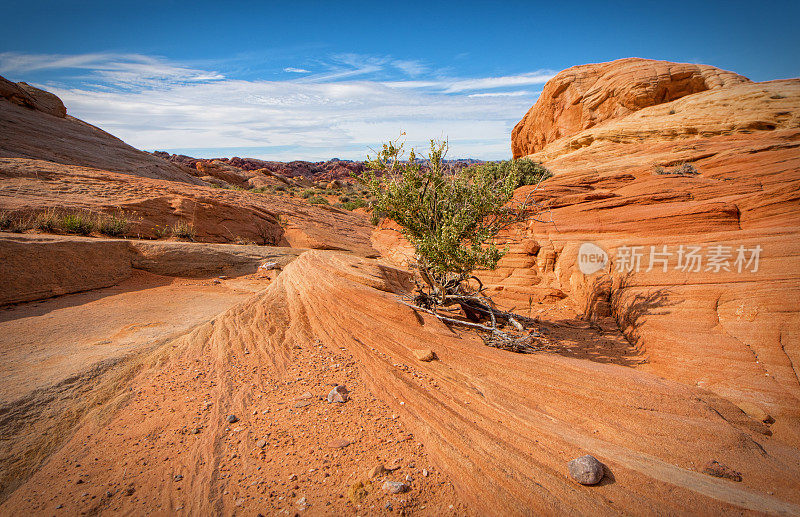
584 96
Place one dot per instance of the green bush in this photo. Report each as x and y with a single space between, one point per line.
351 205
78 222
113 225
318 200
528 171
307 193
451 218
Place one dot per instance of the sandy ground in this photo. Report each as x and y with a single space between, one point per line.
43 343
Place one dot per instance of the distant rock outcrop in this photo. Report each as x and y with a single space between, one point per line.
584 96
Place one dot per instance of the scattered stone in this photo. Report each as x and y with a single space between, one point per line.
79 482
129 491
216 282
395 487
233 419
305 396
339 394
720 470
586 470
388 506
409 479
425 354
301 503
196 430
59 507
302 403
338 443
293 477
223 277
424 473
178 477
261 444
377 470
267 266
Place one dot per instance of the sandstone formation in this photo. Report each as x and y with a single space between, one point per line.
584 96
29 187
730 329
502 426
34 124
35 267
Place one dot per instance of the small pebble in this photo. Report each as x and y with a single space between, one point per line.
586 470
395 487
233 419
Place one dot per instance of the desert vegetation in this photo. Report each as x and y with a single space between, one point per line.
67 222
683 169
452 219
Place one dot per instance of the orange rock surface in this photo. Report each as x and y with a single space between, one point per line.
501 426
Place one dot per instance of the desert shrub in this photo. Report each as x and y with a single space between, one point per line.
47 221
351 205
528 171
6 220
344 199
113 225
307 193
280 188
318 200
183 230
451 218
15 223
684 169
78 222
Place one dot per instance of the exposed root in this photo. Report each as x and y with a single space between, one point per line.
519 340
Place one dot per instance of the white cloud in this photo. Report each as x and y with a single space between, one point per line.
116 69
296 70
484 83
343 111
518 93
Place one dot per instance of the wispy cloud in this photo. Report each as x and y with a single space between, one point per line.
111 68
518 93
347 107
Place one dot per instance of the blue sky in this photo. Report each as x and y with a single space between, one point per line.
314 80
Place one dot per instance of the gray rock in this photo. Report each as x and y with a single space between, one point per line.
395 487
233 419
261 444
339 394
586 470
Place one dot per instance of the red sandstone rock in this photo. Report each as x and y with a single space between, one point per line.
584 96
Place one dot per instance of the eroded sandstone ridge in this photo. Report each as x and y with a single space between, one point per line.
717 170
584 96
